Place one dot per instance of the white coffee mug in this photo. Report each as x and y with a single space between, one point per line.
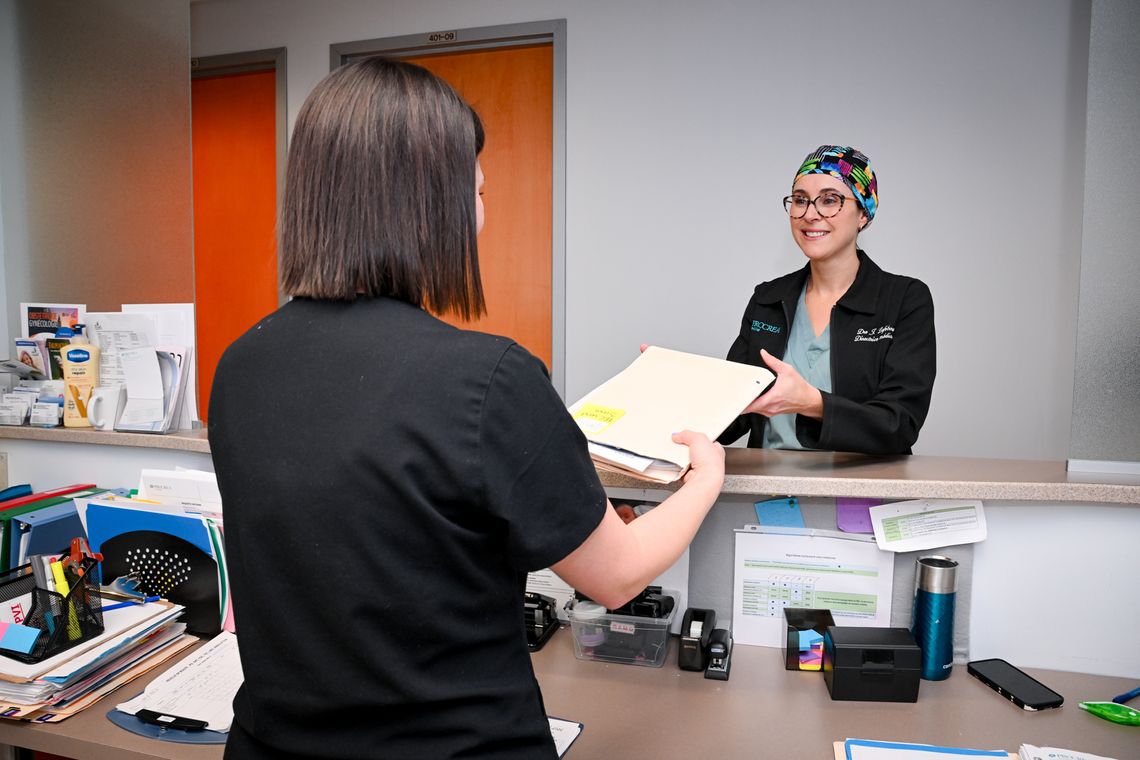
105 406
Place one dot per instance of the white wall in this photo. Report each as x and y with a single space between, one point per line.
1106 399
1055 587
11 152
686 122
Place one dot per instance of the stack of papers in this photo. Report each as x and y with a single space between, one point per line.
135 639
630 419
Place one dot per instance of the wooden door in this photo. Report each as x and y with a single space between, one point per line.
235 207
512 89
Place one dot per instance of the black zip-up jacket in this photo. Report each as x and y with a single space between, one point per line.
882 360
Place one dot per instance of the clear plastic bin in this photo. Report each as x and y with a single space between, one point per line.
633 640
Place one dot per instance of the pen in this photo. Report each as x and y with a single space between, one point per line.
120 605
1122 698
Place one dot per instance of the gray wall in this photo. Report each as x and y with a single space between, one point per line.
95 152
686 121
1106 399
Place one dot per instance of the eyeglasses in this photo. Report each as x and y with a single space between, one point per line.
827 204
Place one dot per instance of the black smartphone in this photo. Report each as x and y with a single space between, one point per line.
1018 687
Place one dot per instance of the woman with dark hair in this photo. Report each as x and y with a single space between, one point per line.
389 479
852 346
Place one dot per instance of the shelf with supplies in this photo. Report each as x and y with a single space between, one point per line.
193 441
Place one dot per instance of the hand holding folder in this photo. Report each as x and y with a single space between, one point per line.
629 420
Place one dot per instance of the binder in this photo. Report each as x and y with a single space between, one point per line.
46 531
14 492
19 507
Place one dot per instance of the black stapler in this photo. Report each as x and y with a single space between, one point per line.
720 654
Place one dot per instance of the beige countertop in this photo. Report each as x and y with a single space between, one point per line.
803 473
819 473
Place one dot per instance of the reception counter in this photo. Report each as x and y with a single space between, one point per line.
761 471
1059 557
819 473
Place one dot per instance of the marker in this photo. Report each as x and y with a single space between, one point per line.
1122 698
62 588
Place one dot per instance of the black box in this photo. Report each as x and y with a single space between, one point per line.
803 619
871 664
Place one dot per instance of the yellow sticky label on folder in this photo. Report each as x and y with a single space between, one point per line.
593 419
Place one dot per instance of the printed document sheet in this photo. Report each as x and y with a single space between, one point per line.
910 526
786 567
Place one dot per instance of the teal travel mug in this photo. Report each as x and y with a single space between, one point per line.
932 619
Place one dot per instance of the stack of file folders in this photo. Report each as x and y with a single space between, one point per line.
629 420
135 639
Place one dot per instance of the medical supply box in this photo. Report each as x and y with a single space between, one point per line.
871 664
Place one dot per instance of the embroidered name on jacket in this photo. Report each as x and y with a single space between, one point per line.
872 334
758 326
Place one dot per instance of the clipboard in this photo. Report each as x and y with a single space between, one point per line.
166 733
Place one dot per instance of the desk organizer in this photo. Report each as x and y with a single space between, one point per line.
63 621
630 639
803 647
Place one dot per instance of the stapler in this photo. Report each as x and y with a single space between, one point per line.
720 654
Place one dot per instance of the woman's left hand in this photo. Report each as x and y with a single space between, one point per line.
790 394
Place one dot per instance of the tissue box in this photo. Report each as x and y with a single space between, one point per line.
871 664
803 649
629 639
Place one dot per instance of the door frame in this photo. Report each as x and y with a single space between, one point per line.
271 59
486 38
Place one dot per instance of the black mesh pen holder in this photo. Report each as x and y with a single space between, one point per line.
63 621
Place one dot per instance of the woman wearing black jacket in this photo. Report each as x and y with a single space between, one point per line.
852 346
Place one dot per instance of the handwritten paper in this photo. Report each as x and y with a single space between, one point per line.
201 686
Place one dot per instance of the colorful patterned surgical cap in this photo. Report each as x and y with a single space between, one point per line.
851 167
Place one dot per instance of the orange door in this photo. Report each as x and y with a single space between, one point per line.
512 89
235 206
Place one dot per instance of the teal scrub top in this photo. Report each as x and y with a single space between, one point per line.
811 356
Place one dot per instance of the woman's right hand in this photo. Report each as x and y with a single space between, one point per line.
705 457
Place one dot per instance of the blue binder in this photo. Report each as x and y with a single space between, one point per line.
45 531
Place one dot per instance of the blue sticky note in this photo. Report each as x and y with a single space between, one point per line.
780 513
18 638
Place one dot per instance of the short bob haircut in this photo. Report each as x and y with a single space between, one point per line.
379 193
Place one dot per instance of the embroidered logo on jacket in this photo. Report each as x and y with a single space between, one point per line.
758 326
874 334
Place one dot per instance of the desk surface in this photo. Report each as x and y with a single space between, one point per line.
762 711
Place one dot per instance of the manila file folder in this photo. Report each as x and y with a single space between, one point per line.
629 420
